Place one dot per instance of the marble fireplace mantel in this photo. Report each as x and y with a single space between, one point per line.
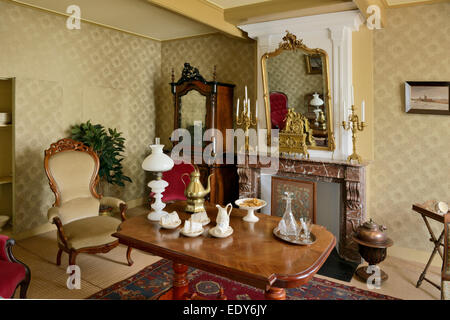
351 177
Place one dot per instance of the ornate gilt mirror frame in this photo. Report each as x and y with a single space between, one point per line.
293 141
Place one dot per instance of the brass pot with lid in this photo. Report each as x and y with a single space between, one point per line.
372 235
372 243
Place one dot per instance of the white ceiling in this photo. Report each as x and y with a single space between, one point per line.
136 16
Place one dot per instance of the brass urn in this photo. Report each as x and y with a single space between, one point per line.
372 243
195 192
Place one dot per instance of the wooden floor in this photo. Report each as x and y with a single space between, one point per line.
102 270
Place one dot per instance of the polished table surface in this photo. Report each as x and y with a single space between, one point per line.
251 255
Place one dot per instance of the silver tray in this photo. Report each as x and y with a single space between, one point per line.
292 239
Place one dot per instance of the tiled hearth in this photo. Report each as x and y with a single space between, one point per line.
351 177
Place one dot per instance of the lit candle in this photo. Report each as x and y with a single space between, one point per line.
237 109
363 104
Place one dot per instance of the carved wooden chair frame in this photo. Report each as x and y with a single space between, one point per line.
72 145
26 281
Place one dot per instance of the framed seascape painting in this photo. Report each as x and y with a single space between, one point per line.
430 97
303 202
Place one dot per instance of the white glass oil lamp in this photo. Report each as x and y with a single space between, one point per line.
157 162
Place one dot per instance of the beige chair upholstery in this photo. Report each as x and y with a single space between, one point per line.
445 285
446 290
90 232
72 170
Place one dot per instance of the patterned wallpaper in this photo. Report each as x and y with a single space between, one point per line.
294 82
412 151
67 76
235 60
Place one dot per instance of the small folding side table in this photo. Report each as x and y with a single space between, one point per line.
427 211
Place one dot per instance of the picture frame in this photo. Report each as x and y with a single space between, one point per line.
427 97
304 201
313 64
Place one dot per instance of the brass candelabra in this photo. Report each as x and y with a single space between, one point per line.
245 120
355 125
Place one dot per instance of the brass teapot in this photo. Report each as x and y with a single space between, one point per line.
195 192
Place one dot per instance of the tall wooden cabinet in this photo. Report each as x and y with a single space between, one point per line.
202 105
7 152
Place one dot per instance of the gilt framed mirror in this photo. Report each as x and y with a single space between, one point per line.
297 96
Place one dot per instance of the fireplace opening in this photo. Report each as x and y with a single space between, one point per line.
329 204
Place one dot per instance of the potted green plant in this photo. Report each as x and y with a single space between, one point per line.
109 146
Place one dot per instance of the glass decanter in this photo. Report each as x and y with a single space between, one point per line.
288 226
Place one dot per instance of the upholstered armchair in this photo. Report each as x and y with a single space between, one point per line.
278 109
13 273
72 170
445 285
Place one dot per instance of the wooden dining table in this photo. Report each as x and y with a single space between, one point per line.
251 255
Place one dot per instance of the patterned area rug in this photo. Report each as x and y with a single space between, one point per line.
156 279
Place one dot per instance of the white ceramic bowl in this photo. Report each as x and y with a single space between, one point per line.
3 221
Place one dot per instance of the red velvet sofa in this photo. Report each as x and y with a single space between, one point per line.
13 273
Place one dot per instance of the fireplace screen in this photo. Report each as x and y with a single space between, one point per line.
303 202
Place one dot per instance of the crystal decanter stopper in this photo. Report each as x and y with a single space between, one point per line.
288 226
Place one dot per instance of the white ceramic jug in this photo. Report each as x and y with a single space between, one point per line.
223 217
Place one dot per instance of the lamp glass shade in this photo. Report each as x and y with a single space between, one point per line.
157 161
316 101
